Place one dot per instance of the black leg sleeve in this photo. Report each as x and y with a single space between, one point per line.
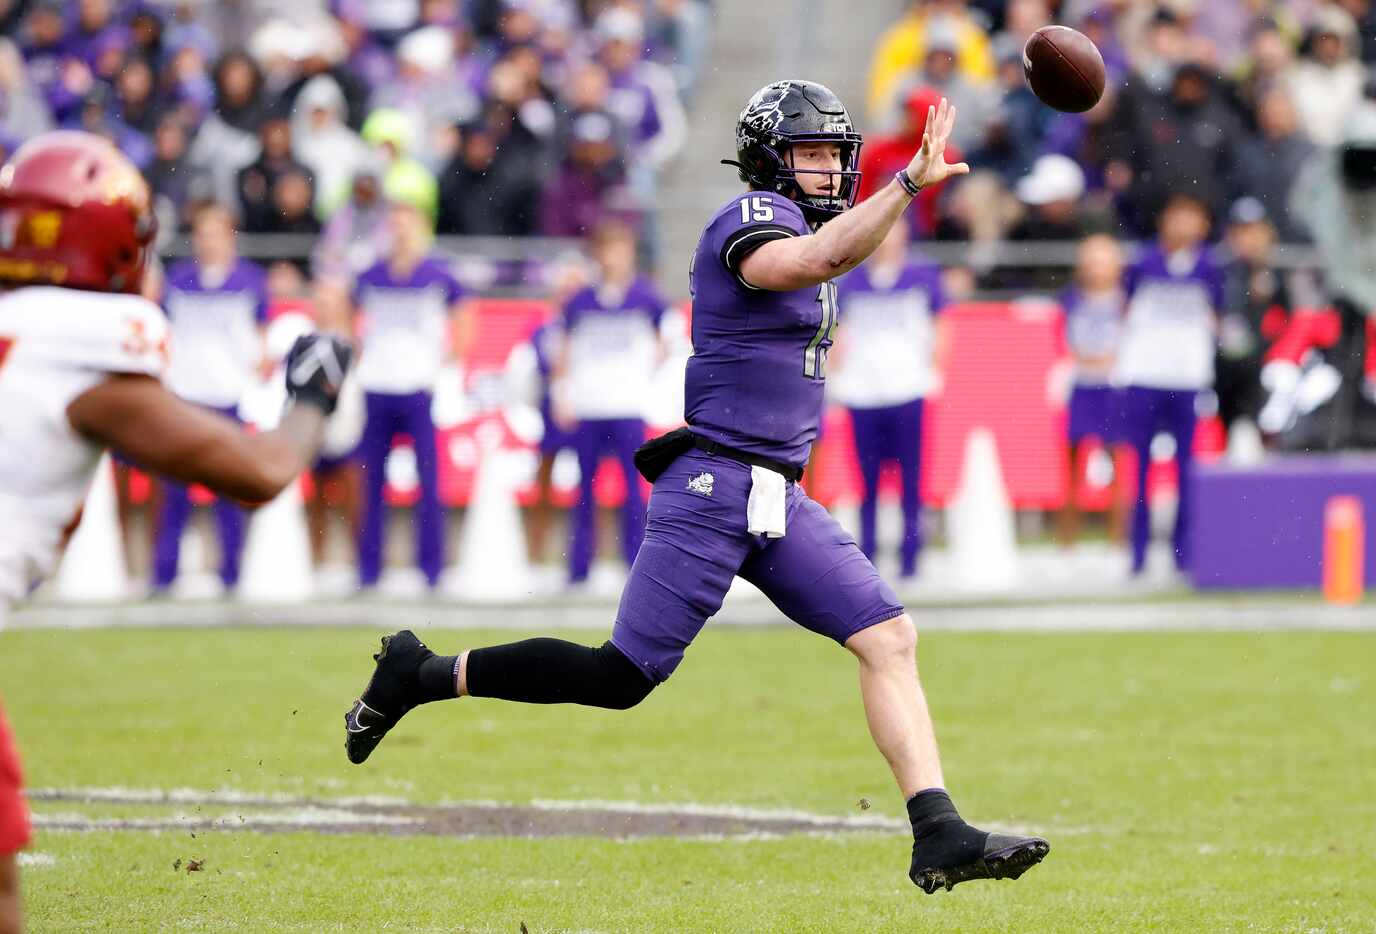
552 671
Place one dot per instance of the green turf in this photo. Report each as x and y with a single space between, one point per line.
1192 782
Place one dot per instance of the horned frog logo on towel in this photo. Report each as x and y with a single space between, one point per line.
702 484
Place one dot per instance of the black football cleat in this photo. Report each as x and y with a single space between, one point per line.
1003 857
391 692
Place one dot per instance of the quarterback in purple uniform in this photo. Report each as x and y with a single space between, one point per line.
726 501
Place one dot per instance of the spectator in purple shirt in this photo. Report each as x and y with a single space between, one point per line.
94 31
582 191
63 79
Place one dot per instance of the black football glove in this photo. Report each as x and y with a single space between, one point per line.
315 367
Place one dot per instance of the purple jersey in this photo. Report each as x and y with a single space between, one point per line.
214 337
1093 329
889 351
756 375
405 325
613 349
1168 341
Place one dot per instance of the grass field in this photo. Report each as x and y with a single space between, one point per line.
1190 782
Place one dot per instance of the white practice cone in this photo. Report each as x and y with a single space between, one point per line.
493 562
277 565
93 568
984 545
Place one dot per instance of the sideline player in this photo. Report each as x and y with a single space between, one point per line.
1166 357
607 360
80 367
411 306
217 303
890 306
726 502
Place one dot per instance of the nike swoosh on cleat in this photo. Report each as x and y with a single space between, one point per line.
356 725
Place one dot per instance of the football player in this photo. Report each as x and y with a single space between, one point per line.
81 354
726 501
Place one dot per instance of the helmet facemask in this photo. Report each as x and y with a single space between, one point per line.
845 181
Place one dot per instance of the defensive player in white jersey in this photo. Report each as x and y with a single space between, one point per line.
81 355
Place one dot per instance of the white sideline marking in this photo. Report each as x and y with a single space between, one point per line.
229 796
117 794
742 812
294 811
295 817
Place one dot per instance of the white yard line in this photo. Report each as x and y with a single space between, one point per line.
36 860
189 796
741 812
459 819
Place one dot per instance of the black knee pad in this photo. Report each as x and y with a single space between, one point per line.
621 684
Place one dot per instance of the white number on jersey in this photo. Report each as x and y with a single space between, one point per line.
757 209
815 356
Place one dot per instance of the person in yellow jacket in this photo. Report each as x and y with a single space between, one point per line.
904 47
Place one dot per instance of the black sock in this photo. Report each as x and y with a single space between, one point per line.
552 671
437 678
930 807
941 838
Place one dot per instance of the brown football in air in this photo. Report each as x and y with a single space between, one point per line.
1063 68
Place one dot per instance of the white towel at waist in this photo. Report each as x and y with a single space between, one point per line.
764 511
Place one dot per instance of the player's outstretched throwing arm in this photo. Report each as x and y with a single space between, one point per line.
137 416
845 242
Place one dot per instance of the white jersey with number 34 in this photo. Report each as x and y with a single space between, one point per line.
54 345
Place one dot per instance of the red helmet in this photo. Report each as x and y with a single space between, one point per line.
74 212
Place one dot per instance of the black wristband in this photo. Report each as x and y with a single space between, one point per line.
910 186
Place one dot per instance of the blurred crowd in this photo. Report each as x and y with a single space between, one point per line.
497 117
1224 99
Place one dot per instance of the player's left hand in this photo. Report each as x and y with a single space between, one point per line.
315 366
929 166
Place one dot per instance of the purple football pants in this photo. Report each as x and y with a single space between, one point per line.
883 434
390 414
695 544
1145 413
172 517
593 440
